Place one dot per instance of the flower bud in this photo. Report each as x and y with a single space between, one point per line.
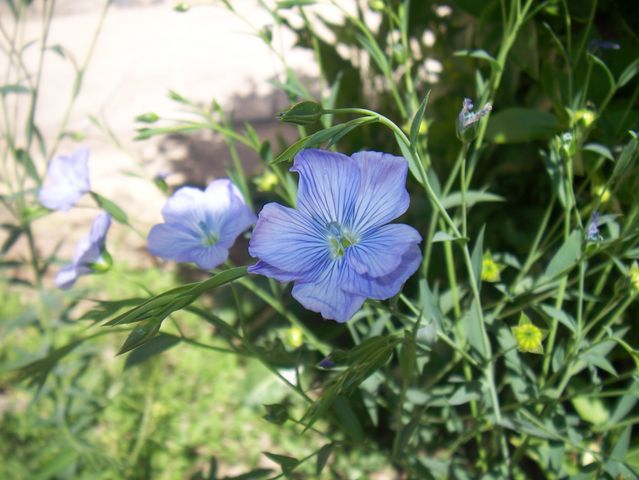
467 120
302 113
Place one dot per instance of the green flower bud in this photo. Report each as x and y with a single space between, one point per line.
302 113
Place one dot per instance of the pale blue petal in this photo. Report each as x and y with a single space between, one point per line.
380 250
328 184
67 180
66 277
263 268
228 211
171 242
382 195
187 208
288 240
90 247
326 297
382 288
210 257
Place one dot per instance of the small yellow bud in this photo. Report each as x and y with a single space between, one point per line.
266 182
490 270
585 116
600 190
294 337
528 336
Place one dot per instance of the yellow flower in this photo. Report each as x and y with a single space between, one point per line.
633 275
266 182
528 336
490 270
423 127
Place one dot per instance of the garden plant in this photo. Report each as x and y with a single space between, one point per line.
438 276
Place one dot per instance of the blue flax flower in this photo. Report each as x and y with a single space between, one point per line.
67 180
336 246
90 254
201 226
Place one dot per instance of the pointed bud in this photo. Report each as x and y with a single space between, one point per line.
467 120
302 113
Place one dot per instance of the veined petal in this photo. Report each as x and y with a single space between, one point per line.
263 268
382 195
326 297
288 240
67 180
328 184
210 257
384 287
380 251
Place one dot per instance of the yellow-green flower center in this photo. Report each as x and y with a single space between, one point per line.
339 239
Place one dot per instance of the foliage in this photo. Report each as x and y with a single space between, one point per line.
527 370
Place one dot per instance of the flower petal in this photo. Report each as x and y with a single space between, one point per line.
90 247
328 184
187 208
67 180
382 195
382 288
326 297
228 211
66 277
380 251
288 240
263 268
171 242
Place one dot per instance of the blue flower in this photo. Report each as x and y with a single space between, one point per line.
67 180
593 234
336 246
90 254
201 226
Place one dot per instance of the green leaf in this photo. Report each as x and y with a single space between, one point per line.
18 89
24 159
477 256
519 125
333 134
444 237
472 197
290 152
284 461
347 419
481 55
283 4
566 256
162 305
472 330
561 316
620 449
628 74
600 150
141 334
410 158
628 156
257 474
370 44
154 346
322 457
465 394
417 119
611 79
116 212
